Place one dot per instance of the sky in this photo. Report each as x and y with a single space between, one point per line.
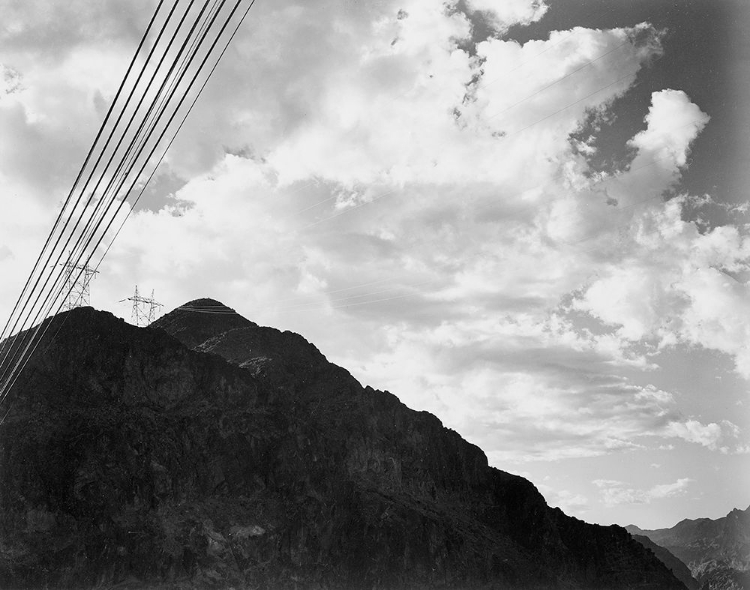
528 217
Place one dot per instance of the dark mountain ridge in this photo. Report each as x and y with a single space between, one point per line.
716 551
207 451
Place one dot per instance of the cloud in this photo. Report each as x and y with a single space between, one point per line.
673 121
670 281
23 226
682 291
367 175
61 63
615 493
716 437
10 80
504 14
569 502
537 391
707 435
412 106
446 320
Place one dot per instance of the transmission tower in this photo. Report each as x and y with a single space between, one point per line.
77 285
144 308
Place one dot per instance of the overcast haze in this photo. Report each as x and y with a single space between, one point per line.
528 218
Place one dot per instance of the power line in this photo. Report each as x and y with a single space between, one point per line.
37 264
90 236
51 296
200 91
133 159
5 384
134 149
205 310
109 138
175 113
54 292
141 138
177 109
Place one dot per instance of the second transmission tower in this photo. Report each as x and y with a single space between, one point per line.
144 308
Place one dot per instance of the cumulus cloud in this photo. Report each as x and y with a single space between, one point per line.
615 492
671 282
678 289
504 14
707 435
673 121
416 209
713 436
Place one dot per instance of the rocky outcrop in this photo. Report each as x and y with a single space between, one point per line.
209 452
677 567
716 551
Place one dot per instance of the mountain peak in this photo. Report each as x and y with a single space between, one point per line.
206 325
205 303
201 319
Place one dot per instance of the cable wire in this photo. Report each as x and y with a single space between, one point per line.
58 284
80 173
205 30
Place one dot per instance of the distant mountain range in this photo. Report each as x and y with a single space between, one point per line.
209 452
716 551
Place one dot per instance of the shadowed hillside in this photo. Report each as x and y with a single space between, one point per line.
209 452
679 569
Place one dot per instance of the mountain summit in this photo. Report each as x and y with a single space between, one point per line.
208 452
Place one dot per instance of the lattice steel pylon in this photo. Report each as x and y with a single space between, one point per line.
78 285
141 317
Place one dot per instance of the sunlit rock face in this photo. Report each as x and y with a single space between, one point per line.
208 452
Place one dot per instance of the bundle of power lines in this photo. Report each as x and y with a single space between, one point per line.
186 39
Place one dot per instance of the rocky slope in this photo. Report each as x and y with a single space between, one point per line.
716 551
209 452
677 567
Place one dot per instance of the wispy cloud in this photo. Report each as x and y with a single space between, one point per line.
615 493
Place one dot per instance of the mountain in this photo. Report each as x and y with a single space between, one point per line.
209 452
716 551
677 567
